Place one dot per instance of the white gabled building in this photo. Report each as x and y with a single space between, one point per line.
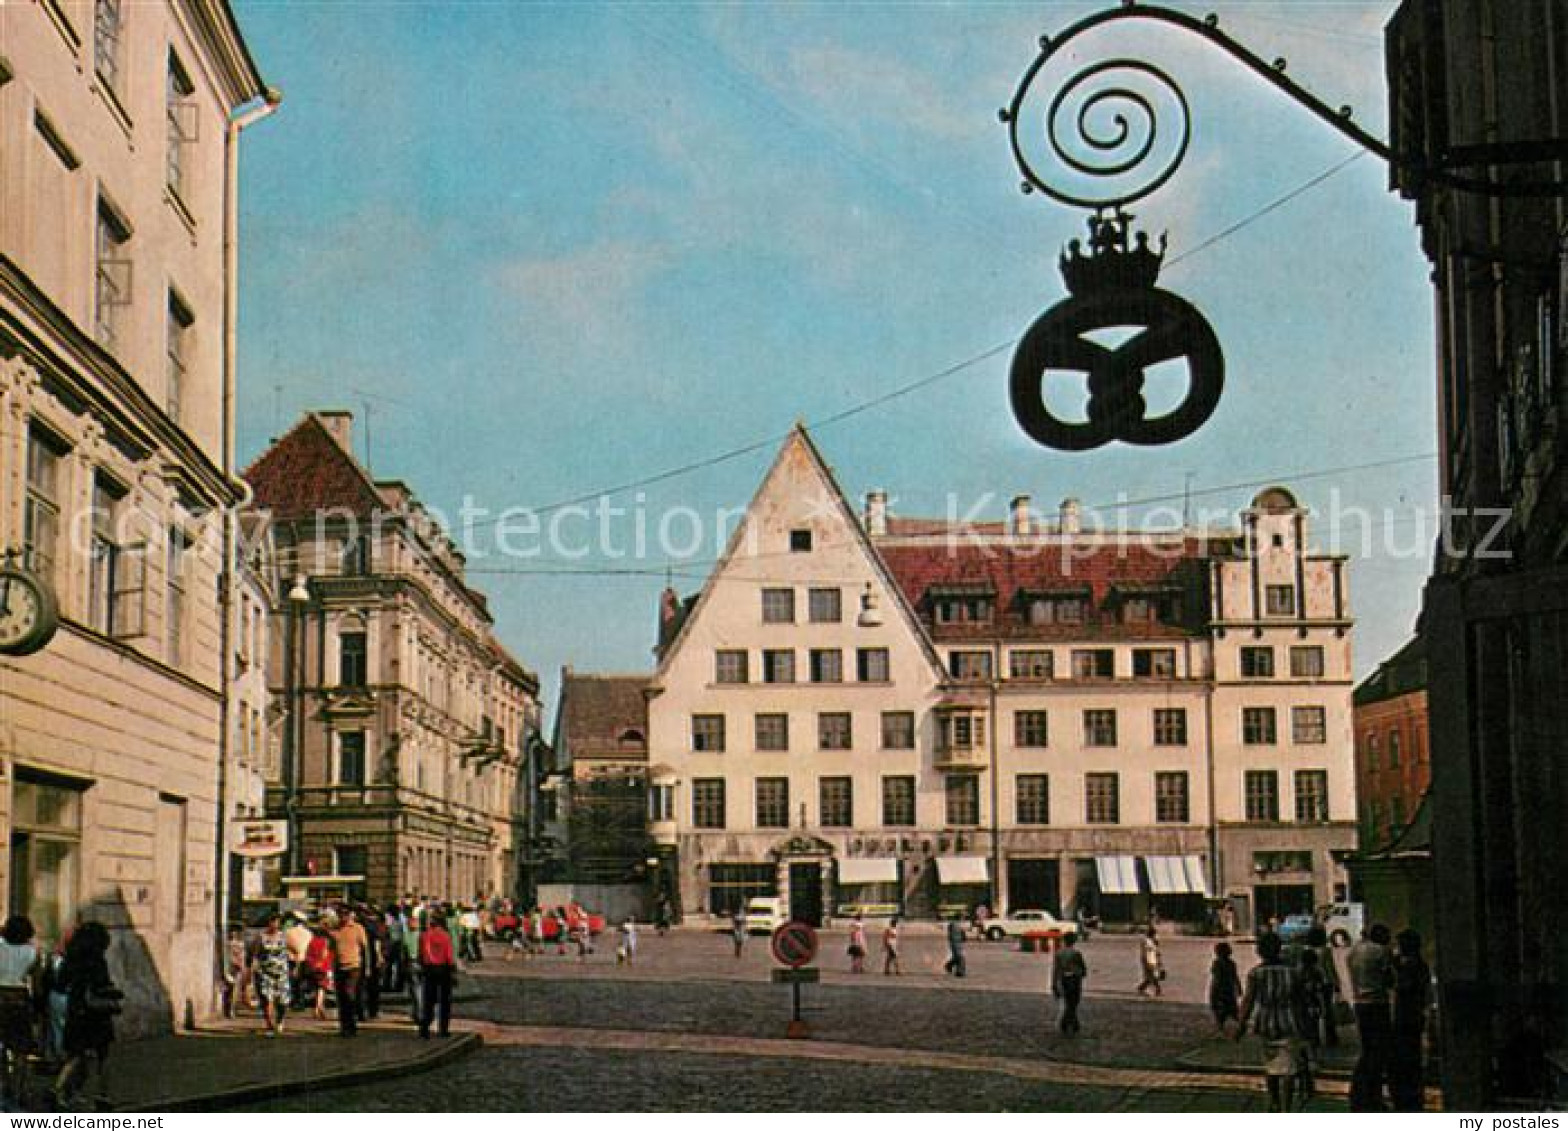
908 715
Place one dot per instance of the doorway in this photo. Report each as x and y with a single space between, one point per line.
1034 885
805 893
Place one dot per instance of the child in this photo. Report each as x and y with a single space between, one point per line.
627 951
1224 989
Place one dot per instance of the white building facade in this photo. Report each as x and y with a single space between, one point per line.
904 716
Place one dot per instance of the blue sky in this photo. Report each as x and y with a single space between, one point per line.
558 248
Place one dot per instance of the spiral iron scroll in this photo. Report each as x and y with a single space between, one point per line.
1102 123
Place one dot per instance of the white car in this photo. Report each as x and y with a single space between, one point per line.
1020 922
1343 922
764 914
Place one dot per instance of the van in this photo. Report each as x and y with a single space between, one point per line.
764 914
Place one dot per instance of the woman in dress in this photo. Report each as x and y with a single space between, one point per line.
93 1000
270 961
319 961
1224 988
857 946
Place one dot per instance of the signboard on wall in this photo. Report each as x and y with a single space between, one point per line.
255 840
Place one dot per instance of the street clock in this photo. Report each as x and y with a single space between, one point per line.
28 614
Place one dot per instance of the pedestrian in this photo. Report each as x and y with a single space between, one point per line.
582 936
394 973
1150 964
1371 984
955 947
20 967
94 1000
298 935
350 944
738 931
1412 991
662 916
1317 940
412 930
315 972
1269 1005
890 962
536 929
56 1004
269 963
857 945
626 952
1224 989
1068 972
375 962
1310 985
561 931
472 935
438 967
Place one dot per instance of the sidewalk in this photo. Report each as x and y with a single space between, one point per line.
1217 1055
229 1063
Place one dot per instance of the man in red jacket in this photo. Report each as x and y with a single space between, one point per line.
437 966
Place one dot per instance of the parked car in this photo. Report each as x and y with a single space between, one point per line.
764 914
574 915
1344 922
1030 921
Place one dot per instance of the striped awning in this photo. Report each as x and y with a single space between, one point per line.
1118 875
1176 875
962 870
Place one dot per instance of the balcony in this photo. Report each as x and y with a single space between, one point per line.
960 758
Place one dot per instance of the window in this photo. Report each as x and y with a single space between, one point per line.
1029 663
836 799
46 852
1099 727
350 860
731 666
661 802
962 730
1308 725
871 665
108 27
1393 750
707 733
1139 610
898 801
772 732
898 730
963 610
772 796
1279 600
1262 795
1030 728
174 597
1170 726
969 665
1257 726
732 886
179 334
1372 758
778 666
112 280
357 557
1306 661
41 522
104 579
1057 610
180 115
1311 795
1257 663
963 799
1154 663
1396 815
1171 805
778 606
825 606
1093 663
351 757
1032 799
800 541
707 803
353 659
827 665
833 730
1102 801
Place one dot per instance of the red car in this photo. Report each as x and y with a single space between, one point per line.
574 916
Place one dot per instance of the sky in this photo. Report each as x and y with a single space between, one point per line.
546 250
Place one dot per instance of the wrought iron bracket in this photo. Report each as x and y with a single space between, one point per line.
1119 160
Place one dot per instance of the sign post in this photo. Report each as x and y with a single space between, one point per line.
794 945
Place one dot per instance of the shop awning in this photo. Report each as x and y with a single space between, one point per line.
1118 875
962 870
868 870
1176 875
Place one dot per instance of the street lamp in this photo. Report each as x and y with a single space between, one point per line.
294 734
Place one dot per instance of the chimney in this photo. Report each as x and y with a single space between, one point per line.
876 513
1071 521
339 422
669 613
1022 520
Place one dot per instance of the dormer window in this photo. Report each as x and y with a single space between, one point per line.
963 610
1069 606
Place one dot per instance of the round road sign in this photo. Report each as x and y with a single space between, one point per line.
795 944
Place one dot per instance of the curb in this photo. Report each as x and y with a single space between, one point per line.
457 1046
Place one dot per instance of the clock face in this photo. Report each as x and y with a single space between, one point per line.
27 616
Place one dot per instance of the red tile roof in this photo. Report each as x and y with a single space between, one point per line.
1040 567
306 472
604 714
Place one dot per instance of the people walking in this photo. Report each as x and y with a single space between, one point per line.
269 961
955 964
1224 988
412 931
1150 964
20 967
1270 1006
315 972
626 952
890 962
738 931
94 1000
438 967
1317 940
1068 973
350 944
1310 988
1371 983
1412 992
857 945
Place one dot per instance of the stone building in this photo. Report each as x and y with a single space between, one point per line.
406 721
1393 756
119 133
601 748
896 714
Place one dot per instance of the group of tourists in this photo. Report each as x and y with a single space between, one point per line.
57 1010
